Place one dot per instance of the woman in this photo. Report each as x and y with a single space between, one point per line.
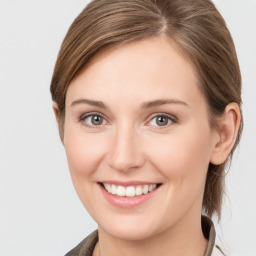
147 96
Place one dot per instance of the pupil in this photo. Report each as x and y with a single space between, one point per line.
161 121
97 120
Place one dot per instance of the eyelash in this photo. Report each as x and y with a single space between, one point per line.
171 118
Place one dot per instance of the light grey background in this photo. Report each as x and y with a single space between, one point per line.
40 213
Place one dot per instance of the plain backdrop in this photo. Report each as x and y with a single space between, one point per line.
40 213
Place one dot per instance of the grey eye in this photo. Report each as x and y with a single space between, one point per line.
94 120
160 120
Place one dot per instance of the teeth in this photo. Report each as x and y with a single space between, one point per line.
113 189
129 191
120 191
108 187
138 191
145 189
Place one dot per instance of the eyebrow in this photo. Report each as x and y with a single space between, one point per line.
160 102
95 103
144 105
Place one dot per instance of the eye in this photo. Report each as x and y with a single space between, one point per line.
162 120
93 120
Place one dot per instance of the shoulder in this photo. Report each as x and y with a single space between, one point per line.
86 247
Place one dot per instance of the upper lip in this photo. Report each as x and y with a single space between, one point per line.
129 183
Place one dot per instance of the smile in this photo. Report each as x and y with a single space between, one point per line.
129 191
128 194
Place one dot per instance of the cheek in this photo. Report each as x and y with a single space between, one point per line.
183 161
181 155
84 151
84 154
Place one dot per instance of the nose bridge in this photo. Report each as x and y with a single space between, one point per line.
125 152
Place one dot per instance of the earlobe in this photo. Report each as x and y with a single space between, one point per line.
228 128
56 111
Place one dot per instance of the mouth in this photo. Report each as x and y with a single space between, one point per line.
129 191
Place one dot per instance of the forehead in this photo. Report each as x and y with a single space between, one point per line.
151 68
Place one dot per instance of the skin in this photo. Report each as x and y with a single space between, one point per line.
131 145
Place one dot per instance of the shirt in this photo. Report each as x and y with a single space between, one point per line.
86 247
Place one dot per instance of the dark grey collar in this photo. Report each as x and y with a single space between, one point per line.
209 233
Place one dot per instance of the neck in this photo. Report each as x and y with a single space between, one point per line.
184 238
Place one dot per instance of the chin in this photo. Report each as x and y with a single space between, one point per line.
130 231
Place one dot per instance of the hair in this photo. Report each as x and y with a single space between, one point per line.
195 26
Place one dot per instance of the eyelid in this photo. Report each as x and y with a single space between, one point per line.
173 118
85 115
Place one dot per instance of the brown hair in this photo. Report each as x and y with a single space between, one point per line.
195 26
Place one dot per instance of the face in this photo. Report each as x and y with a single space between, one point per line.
138 139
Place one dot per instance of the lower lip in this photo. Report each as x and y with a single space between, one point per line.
127 202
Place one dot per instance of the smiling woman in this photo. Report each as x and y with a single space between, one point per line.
147 96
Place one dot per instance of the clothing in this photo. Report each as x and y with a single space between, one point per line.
86 247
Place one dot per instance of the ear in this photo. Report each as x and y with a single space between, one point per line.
56 111
228 125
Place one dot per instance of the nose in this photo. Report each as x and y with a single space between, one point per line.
125 153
